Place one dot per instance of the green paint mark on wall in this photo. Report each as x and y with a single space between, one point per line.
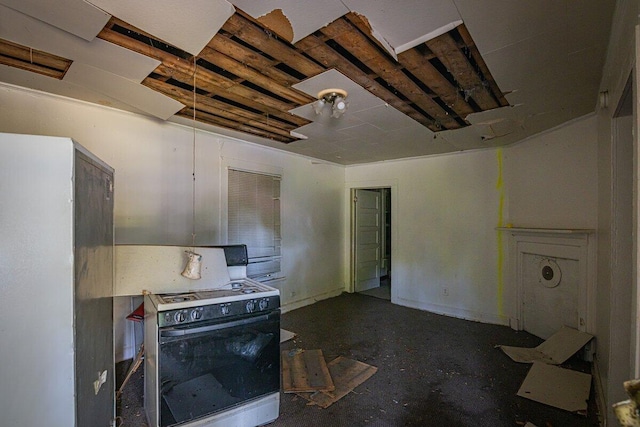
500 188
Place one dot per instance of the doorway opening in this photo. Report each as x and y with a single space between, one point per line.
371 241
623 292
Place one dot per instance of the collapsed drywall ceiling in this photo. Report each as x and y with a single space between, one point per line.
547 58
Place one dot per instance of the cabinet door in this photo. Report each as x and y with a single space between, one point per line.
93 293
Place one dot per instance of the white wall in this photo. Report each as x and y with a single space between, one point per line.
153 194
551 178
446 209
444 213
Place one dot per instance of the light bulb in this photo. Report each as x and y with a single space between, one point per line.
339 107
318 106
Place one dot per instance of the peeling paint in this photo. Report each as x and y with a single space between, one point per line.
278 22
500 269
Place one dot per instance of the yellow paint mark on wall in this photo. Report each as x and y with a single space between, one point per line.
500 188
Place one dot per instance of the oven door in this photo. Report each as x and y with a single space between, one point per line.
212 366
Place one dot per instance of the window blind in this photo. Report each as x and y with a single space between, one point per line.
254 220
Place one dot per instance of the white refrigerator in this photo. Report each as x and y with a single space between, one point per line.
56 284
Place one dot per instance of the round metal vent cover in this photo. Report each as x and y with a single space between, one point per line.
550 273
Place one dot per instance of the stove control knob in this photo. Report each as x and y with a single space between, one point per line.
196 314
180 317
224 309
263 304
251 305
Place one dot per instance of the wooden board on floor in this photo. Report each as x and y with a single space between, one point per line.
558 387
347 374
305 371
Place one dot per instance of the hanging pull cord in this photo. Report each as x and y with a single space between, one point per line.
193 171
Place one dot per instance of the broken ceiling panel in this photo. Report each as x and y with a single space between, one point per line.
405 25
437 83
185 24
30 32
248 80
132 93
20 78
304 18
76 17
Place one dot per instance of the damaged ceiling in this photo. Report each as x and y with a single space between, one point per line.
423 77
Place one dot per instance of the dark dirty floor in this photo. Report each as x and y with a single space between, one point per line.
432 370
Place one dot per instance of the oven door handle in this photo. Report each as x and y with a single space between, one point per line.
177 332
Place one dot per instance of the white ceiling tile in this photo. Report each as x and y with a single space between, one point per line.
358 97
114 59
73 16
305 18
28 31
324 119
134 94
386 117
588 23
402 23
186 24
364 132
499 23
529 63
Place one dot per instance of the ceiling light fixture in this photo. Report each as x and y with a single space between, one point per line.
335 97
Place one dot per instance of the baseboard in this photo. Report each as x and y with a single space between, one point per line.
599 390
458 313
292 305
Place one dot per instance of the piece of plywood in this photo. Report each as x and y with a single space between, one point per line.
557 387
305 371
347 374
556 350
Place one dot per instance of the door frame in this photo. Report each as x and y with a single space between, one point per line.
349 276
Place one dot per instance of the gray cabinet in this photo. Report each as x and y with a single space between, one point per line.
56 283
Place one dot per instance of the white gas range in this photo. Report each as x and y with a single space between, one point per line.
212 354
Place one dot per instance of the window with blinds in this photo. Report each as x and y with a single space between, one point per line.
254 220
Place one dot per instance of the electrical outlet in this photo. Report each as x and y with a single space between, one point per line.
445 292
293 293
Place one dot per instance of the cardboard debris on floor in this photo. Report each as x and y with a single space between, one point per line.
556 350
305 371
552 385
286 335
558 387
347 374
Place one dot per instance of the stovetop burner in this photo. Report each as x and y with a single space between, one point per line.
232 291
174 298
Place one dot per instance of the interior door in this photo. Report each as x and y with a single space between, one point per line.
367 226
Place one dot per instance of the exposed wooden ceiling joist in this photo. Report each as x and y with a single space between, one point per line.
23 57
243 78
